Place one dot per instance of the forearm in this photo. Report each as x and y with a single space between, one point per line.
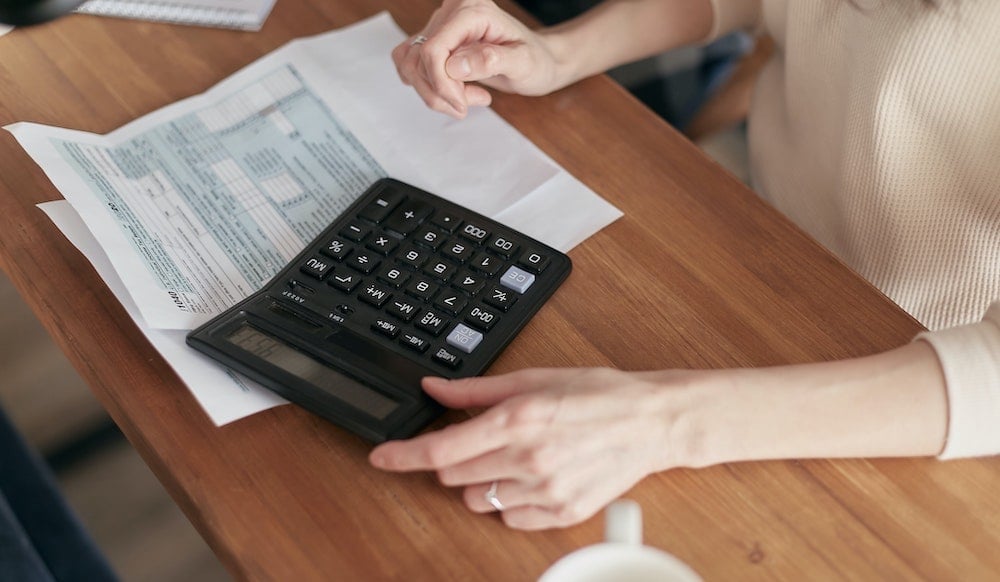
887 405
621 31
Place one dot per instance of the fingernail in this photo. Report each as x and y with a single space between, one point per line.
462 68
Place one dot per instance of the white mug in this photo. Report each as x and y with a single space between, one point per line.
621 557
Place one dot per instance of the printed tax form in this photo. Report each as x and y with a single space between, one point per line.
198 204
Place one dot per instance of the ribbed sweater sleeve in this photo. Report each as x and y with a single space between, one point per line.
970 358
876 128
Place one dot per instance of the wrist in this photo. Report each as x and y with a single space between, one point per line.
885 405
558 41
687 434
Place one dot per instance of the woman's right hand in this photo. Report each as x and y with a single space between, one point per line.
470 41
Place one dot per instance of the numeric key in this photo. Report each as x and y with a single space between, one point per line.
503 246
474 232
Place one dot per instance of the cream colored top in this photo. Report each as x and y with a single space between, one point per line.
876 128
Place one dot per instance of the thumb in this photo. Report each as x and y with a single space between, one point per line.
478 390
483 60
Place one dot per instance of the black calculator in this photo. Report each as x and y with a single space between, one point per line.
404 284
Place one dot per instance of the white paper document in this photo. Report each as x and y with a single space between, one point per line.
198 204
223 394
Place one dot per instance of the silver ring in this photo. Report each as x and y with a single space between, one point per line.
419 39
491 496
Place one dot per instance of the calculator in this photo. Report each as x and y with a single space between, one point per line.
404 284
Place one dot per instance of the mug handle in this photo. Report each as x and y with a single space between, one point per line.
623 523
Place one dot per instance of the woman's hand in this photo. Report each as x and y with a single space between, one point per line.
474 41
561 443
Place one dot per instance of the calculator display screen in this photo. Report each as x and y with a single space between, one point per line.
312 371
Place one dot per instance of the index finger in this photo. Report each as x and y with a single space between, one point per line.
448 446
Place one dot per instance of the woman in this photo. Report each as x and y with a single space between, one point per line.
876 127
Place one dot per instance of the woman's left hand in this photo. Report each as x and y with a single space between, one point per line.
560 443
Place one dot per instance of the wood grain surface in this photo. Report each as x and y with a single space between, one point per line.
699 273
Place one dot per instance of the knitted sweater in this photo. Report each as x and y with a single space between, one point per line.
876 128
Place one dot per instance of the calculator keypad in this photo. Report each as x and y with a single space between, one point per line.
425 278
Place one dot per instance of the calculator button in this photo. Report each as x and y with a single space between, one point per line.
401 309
421 288
317 267
482 318
381 206
386 328
474 233
346 282
517 279
393 276
429 237
502 299
408 216
458 250
467 282
336 249
432 322
451 302
414 342
534 261
486 263
374 294
503 246
364 261
382 244
414 258
440 269
464 338
443 356
446 220
355 231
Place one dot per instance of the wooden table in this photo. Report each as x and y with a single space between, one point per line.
699 273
